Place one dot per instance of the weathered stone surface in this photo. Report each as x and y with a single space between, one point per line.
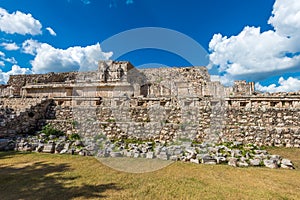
40 147
150 155
49 148
130 154
255 162
174 158
287 164
220 160
196 161
115 154
270 163
209 160
163 156
232 162
136 154
242 164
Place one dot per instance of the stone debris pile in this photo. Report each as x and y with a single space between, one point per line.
46 144
234 153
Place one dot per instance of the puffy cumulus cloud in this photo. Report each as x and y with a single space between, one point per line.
51 31
10 46
48 58
285 17
19 23
255 55
251 51
2 64
285 85
4 76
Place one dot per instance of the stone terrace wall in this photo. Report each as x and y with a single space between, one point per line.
263 126
161 118
141 118
22 116
167 119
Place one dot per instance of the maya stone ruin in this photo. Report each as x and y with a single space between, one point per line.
118 101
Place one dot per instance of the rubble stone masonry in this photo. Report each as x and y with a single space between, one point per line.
162 104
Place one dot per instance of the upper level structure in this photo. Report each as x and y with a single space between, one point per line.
116 79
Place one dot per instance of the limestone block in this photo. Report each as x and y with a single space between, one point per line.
49 148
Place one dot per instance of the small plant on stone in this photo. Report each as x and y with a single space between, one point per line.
195 142
74 136
261 163
160 79
111 120
227 144
50 130
74 123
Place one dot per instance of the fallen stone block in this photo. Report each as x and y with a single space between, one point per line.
270 164
232 162
49 148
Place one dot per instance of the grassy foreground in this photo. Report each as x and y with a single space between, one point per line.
50 176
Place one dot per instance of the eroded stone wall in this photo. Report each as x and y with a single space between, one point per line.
163 119
22 116
164 104
141 118
263 126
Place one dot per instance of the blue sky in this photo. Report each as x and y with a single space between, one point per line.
250 39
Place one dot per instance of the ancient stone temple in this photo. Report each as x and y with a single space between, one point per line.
167 104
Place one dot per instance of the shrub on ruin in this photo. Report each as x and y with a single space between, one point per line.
74 136
50 130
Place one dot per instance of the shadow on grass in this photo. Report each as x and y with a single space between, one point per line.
9 154
40 180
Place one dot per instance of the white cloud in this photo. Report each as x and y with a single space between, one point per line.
19 23
11 60
2 64
51 31
4 76
50 59
31 46
255 55
10 46
288 85
285 17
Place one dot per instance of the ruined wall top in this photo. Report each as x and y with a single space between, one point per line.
193 81
243 88
18 81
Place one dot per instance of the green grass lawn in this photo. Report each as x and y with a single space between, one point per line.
50 176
